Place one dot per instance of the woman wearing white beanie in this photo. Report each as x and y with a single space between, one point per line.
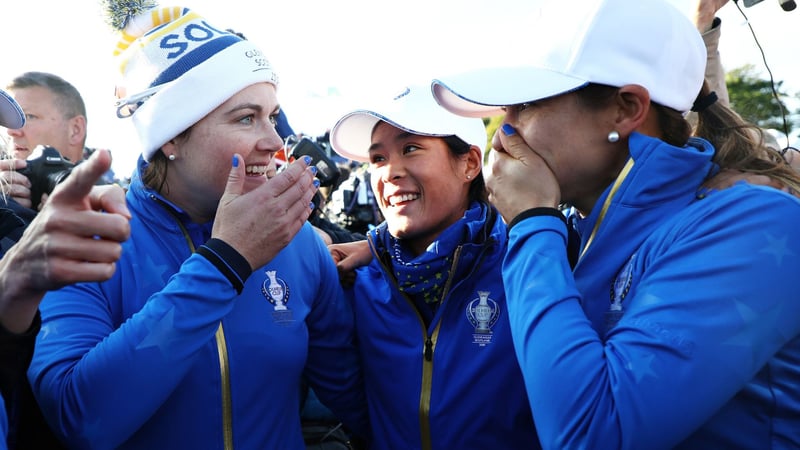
223 295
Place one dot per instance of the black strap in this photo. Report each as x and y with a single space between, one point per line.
533 212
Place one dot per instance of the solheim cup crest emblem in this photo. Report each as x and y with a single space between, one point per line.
482 312
276 292
619 290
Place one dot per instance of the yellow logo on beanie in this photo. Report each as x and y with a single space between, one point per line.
176 36
136 26
167 56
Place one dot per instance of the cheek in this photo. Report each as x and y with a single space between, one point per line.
376 184
216 149
213 165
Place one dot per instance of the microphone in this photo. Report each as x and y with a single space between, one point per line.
786 5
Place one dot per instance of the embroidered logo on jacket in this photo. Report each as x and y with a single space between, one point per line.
482 313
619 290
276 292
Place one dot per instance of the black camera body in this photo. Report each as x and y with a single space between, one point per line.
328 172
46 168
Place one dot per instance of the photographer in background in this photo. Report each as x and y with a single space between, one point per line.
76 237
56 117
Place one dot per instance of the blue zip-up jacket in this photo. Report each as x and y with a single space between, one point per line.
454 384
679 327
167 353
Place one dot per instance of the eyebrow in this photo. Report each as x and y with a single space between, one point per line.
242 106
400 137
254 107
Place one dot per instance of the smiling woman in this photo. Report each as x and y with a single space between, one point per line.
434 276
222 280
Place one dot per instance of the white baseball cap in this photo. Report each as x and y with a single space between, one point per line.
11 115
573 43
413 110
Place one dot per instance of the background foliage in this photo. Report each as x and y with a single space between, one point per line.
753 98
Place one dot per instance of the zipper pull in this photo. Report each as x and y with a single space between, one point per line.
428 349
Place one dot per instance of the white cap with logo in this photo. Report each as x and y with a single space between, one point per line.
413 110
573 43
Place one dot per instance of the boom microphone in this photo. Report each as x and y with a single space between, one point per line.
786 5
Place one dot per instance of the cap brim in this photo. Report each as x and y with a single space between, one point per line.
350 137
11 115
484 92
414 111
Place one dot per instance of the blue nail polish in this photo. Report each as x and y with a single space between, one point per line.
508 130
235 161
311 205
316 183
313 169
307 159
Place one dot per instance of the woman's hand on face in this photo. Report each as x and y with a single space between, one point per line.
517 178
260 223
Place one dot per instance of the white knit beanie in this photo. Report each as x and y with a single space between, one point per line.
176 68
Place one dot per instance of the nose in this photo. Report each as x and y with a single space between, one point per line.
270 142
393 169
496 144
14 132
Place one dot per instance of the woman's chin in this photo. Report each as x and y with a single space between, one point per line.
253 182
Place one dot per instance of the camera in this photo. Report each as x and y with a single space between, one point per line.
46 168
786 5
327 171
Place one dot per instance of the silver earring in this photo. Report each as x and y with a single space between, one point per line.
469 177
171 157
613 136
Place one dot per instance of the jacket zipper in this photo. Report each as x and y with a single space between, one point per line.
225 379
222 351
428 347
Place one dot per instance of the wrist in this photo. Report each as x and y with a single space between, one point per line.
232 264
536 212
18 302
707 25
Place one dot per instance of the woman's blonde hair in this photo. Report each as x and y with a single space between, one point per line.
742 145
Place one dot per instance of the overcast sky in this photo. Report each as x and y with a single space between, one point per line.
329 54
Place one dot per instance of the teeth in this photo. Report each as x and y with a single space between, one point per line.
395 199
256 170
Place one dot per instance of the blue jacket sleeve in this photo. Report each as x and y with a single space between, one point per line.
3 425
710 305
85 371
333 368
